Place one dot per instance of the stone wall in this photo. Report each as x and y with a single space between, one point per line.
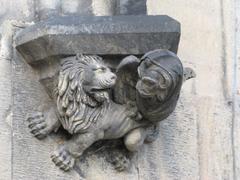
208 43
199 141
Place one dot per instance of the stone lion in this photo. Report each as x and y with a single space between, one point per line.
83 108
92 103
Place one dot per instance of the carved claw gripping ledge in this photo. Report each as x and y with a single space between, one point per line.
92 103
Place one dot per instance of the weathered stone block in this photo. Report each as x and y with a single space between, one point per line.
117 35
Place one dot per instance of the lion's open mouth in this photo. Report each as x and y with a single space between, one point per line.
98 90
100 94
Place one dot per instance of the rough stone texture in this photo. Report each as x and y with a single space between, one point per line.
9 10
30 157
104 7
46 9
5 123
119 7
132 7
118 35
80 7
207 43
197 144
236 91
23 10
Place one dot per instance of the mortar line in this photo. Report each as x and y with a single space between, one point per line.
234 85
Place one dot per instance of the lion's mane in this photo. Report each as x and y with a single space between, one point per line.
77 110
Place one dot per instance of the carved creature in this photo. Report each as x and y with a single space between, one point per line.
153 83
144 92
84 109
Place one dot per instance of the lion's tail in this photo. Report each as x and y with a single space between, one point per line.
188 73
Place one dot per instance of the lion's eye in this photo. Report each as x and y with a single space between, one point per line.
103 69
100 70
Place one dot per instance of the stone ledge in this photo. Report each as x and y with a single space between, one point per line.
103 35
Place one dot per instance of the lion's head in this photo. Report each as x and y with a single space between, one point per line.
83 85
96 77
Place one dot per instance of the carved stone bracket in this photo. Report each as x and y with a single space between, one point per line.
109 35
76 56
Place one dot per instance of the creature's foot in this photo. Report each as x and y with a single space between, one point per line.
63 159
37 125
152 133
120 161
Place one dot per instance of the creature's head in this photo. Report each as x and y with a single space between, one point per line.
160 75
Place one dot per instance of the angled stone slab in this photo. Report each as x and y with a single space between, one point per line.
116 35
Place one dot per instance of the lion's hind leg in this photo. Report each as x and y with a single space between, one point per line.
135 139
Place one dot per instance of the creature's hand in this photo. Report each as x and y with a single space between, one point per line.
133 111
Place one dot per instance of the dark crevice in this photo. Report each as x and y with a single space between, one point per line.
224 55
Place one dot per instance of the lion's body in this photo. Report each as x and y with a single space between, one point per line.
79 112
85 109
117 122
84 105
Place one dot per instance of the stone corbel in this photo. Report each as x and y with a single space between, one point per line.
108 77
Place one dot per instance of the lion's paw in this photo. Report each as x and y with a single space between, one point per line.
63 159
120 162
37 125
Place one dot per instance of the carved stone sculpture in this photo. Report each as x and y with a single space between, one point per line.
92 103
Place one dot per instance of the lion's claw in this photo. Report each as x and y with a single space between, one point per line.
37 125
120 162
63 160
